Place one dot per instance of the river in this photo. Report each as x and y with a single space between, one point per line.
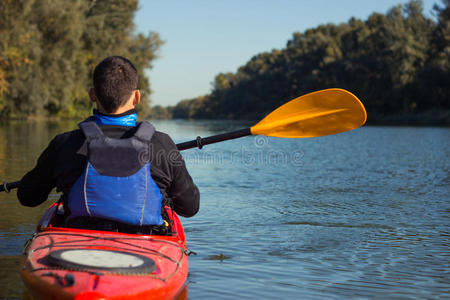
361 214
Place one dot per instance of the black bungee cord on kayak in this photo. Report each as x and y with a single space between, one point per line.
66 281
59 262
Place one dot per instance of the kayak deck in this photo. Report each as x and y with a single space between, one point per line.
66 263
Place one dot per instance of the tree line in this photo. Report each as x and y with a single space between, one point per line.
48 50
397 63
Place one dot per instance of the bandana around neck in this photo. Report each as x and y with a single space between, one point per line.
126 119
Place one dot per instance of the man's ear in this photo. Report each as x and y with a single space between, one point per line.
92 95
137 97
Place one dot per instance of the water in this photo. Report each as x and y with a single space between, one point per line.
362 214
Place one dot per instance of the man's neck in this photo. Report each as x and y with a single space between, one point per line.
119 111
114 115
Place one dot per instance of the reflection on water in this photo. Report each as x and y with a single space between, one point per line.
360 214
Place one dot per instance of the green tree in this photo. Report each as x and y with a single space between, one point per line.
433 82
48 50
397 63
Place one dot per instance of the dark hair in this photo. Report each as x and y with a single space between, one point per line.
115 78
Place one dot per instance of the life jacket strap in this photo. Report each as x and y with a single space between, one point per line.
145 131
91 130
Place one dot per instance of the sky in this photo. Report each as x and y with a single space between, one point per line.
206 37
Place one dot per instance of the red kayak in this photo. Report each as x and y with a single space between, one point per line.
66 263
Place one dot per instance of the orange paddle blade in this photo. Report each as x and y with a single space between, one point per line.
319 113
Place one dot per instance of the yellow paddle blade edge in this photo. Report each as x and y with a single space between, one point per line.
320 113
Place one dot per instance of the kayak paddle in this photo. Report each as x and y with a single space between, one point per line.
320 113
316 114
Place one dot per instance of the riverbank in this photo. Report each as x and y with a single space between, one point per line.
430 118
434 118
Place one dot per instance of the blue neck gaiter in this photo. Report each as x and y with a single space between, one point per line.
126 119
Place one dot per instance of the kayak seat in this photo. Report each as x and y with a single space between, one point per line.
94 223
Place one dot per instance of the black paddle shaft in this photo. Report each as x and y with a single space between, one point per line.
200 142
8 186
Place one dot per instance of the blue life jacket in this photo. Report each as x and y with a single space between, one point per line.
116 183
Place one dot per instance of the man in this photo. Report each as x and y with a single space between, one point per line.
113 169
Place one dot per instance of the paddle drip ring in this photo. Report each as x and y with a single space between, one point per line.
5 186
199 142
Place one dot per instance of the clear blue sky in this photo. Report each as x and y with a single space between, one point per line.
206 37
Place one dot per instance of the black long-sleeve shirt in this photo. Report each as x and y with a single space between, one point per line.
64 160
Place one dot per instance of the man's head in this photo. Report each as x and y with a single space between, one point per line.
115 82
